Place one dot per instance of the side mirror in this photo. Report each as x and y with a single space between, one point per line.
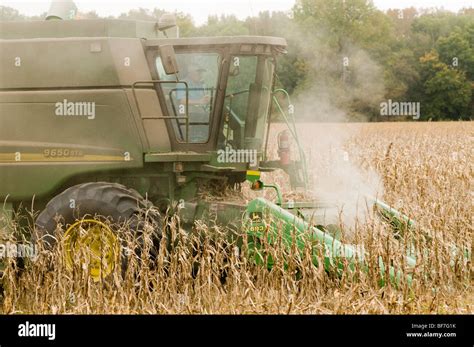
168 59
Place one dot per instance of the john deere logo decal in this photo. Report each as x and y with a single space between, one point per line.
256 217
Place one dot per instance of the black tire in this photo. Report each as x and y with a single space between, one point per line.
114 202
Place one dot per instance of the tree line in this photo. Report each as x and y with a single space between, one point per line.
350 57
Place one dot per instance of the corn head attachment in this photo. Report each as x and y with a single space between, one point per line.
299 225
283 224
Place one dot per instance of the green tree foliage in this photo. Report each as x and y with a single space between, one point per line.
350 55
222 26
293 67
457 50
344 44
184 21
445 65
447 92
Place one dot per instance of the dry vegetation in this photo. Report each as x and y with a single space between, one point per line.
426 169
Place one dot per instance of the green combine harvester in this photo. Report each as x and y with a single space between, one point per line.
113 117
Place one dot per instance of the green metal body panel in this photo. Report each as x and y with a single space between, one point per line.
176 157
401 223
128 140
271 222
39 150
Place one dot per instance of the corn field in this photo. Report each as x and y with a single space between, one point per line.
423 169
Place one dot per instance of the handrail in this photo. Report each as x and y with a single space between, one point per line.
238 120
185 117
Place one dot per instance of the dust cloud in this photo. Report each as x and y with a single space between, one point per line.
339 80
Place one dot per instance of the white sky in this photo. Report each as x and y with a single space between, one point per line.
201 9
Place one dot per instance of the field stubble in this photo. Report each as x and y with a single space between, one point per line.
424 169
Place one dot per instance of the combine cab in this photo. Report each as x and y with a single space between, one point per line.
101 120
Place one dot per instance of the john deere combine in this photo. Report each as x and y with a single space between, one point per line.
111 117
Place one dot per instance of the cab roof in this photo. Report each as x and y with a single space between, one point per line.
220 40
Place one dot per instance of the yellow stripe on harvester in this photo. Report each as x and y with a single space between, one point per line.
39 157
253 173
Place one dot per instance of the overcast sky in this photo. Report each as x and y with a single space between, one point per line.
201 9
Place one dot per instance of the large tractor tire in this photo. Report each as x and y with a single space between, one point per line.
96 217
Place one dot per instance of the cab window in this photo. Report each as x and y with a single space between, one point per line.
200 72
